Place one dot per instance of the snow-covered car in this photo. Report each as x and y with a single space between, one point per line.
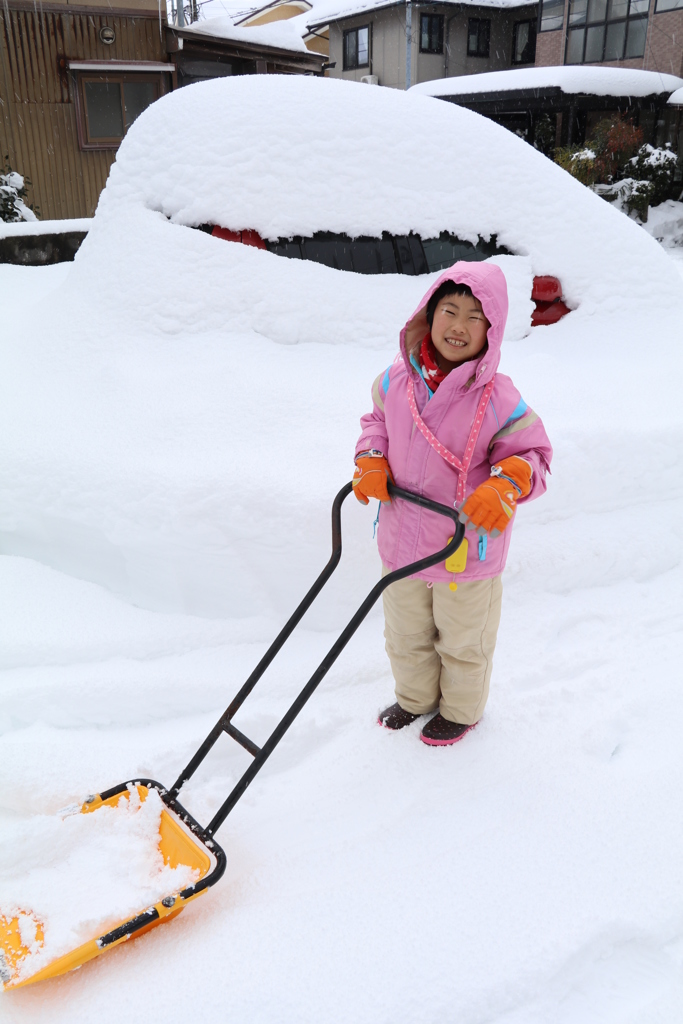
330 172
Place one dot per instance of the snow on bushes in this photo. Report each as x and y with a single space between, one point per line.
13 192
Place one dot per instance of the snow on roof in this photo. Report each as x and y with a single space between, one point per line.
332 10
593 81
676 98
281 35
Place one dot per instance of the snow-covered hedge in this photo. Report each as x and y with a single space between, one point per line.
13 192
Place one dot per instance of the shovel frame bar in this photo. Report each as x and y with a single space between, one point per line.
225 725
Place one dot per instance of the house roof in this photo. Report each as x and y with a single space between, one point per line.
572 80
278 35
239 19
325 11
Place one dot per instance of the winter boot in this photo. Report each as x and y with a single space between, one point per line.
395 717
439 732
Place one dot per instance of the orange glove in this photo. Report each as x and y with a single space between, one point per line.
370 477
492 505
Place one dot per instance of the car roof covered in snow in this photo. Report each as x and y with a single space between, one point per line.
676 98
291 155
572 80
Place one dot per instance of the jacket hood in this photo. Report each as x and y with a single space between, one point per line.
488 284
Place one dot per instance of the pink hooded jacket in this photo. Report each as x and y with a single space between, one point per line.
510 427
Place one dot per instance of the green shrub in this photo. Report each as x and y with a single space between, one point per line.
13 192
656 166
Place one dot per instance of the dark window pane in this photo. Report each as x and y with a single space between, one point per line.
431 33
362 47
137 96
617 9
478 34
521 40
285 248
405 256
597 9
524 43
575 45
350 48
552 15
577 12
331 251
595 38
614 44
373 256
417 252
424 31
635 39
105 116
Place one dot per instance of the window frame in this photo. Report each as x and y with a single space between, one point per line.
85 141
432 18
531 22
347 33
550 28
479 22
627 20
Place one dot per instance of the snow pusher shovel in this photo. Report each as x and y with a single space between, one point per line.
183 841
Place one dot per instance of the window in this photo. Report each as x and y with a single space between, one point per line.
668 5
431 33
606 30
357 48
110 103
524 42
390 254
478 37
551 15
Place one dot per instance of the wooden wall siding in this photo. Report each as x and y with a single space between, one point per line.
37 110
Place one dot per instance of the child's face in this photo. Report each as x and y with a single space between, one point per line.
458 330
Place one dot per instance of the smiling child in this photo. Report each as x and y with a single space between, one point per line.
440 406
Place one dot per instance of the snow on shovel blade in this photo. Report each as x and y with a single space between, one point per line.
29 951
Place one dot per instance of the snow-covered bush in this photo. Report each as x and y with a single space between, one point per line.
630 194
656 166
601 159
13 192
580 162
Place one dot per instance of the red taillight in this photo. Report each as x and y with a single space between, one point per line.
247 237
546 289
548 313
547 294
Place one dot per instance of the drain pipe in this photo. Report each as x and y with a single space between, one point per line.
409 43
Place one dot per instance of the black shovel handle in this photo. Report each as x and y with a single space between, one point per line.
224 724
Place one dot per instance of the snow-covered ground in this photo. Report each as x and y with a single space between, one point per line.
530 875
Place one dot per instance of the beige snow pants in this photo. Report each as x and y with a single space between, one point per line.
440 644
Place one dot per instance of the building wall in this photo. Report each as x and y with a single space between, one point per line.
38 130
388 53
663 45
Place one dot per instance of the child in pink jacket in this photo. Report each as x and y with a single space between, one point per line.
446 425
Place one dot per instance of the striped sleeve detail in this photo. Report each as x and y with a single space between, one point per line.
376 394
513 425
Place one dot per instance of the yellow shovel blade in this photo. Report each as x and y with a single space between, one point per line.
178 846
